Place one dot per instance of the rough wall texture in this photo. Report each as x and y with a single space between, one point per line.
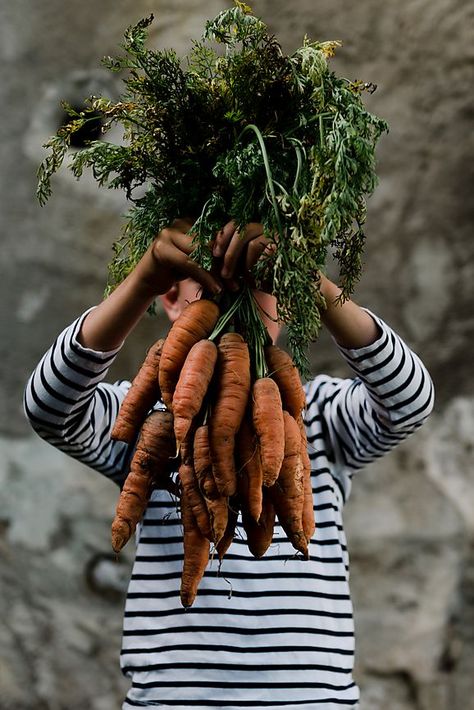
410 521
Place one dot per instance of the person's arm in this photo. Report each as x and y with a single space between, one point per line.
167 260
389 397
350 325
66 400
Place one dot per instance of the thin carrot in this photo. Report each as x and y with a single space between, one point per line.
195 323
232 391
250 475
260 535
226 540
140 398
285 373
191 490
202 462
196 554
287 493
148 467
309 524
218 509
267 416
192 385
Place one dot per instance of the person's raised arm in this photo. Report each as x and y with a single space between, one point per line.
166 261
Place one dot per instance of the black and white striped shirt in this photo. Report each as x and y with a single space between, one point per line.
275 632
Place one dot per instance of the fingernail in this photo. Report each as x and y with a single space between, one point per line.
217 251
225 272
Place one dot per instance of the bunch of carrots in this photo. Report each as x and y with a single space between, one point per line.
233 421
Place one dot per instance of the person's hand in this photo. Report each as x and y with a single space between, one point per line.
237 252
168 260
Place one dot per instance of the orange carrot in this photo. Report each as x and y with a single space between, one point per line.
195 323
195 499
196 554
287 494
267 416
218 509
226 540
215 503
250 476
309 525
149 465
202 463
140 398
285 373
192 385
232 391
260 535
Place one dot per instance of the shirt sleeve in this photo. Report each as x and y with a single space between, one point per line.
68 404
358 420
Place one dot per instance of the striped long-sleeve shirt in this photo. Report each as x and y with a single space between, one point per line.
275 632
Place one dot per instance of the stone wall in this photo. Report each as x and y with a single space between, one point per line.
410 520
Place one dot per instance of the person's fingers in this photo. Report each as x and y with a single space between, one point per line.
239 240
173 251
184 242
261 246
223 238
187 268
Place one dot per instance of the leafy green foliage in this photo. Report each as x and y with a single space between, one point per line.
248 134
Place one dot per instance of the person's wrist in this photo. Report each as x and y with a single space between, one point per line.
152 279
329 290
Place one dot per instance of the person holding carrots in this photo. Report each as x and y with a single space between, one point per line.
283 637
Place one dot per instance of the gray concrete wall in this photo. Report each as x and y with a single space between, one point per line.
410 521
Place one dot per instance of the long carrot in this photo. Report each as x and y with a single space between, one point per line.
196 554
140 398
250 474
232 388
195 323
195 500
260 535
287 494
148 467
203 464
267 416
226 540
285 373
217 505
309 524
192 385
